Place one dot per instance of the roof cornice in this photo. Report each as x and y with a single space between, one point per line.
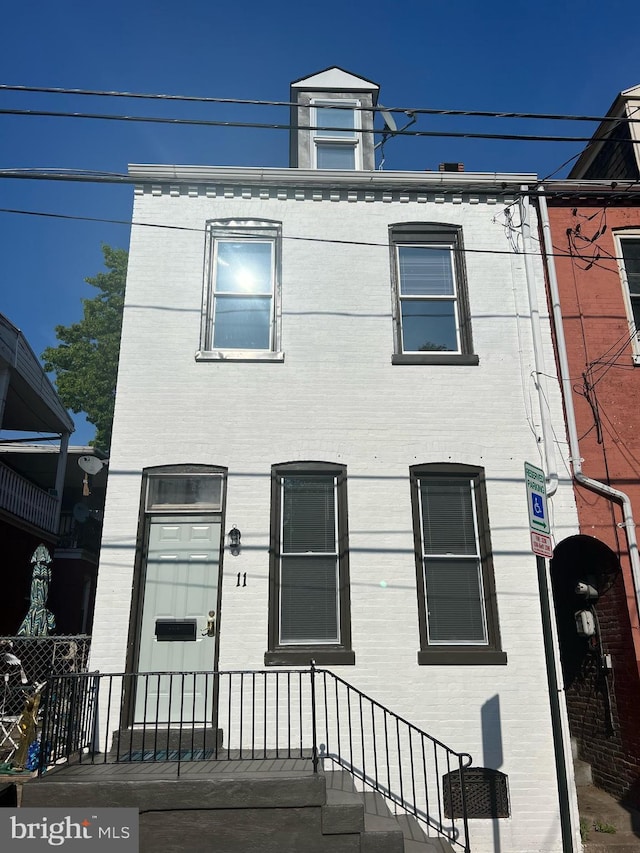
326 178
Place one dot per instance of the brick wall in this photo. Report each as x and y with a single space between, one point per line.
337 398
608 422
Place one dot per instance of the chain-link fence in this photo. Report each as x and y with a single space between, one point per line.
25 664
28 661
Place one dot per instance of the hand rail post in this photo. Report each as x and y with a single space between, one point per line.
314 750
463 798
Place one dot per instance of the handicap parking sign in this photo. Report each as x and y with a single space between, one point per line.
537 499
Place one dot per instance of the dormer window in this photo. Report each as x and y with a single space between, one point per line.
333 98
336 141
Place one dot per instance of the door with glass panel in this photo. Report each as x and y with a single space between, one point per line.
180 598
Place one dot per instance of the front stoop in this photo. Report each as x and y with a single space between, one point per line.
131 742
220 809
379 819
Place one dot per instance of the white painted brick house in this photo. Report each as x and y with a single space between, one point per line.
339 363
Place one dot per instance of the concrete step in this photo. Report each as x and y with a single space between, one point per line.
378 816
582 773
139 741
220 806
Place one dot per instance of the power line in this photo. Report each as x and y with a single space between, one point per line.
449 134
621 193
351 107
132 223
607 191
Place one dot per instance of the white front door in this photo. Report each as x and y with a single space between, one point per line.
180 590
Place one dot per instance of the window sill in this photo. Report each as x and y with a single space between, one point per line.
303 657
464 656
435 358
238 355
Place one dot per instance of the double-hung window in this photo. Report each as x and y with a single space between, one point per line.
456 595
336 138
241 313
630 273
430 299
309 573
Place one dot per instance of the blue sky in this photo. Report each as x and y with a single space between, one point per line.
549 57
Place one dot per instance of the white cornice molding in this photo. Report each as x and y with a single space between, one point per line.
327 179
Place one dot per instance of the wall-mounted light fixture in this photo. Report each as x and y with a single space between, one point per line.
234 536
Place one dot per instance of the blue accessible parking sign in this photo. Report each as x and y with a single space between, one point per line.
536 499
537 505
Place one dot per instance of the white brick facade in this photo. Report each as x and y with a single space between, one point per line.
338 398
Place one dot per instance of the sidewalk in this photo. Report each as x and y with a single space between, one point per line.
599 812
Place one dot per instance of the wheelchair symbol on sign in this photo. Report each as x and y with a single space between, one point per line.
538 506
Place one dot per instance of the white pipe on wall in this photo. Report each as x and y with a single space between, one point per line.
538 352
570 817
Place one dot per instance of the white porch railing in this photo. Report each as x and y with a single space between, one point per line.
26 501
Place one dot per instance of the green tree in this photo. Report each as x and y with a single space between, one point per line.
86 360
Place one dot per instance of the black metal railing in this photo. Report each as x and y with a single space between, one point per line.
312 714
390 755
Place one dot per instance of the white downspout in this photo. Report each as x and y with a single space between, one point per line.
538 352
574 446
570 817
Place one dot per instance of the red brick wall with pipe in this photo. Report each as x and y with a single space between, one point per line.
606 398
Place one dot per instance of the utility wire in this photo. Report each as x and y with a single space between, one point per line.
99 176
131 223
449 134
351 107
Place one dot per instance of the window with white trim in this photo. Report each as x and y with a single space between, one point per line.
309 590
430 299
336 140
456 594
630 274
241 310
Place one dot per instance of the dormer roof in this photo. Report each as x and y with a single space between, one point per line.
335 79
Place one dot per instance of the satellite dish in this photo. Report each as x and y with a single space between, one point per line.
90 464
389 120
81 512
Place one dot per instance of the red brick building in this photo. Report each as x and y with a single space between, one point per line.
593 232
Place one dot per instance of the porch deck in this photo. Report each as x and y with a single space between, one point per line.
141 771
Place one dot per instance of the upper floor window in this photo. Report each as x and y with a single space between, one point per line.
630 272
241 311
309 591
430 300
456 595
336 139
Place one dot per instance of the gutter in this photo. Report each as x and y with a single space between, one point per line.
600 488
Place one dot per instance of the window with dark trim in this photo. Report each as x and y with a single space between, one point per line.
241 311
309 608
457 610
431 310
